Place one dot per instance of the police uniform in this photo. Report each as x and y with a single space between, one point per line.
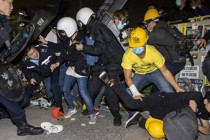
39 70
16 113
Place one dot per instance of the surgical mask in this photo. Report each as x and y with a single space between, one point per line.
149 30
120 26
178 3
138 50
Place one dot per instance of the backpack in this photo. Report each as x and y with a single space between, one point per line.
184 45
91 60
181 125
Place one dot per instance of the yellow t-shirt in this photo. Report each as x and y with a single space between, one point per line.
151 61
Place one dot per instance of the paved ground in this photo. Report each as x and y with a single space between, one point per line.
73 130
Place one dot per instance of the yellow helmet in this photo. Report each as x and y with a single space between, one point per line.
155 128
138 37
151 14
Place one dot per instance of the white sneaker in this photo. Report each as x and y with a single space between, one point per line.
92 119
70 113
34 102
51 128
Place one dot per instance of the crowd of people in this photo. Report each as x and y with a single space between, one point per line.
120 72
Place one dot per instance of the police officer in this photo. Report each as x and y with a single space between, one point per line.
37 65
16 113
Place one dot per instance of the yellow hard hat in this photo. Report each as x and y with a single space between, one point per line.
151 14
138 37
155 128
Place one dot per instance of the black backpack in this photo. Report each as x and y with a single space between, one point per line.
181 125
184 45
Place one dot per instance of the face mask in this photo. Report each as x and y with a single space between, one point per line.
149 30
178 3
120 26
138 51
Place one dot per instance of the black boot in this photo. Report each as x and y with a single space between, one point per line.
117 117
23 128
117 121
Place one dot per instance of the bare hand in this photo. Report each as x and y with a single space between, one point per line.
139 97
201 42
33 81
58 54
54 66
42 40
79 47
180 90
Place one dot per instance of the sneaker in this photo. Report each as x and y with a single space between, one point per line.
51 128
70 113
92 119
96 112
133 120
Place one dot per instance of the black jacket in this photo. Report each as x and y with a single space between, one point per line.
164 41
46 58
106 46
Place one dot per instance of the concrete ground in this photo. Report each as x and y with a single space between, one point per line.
73 129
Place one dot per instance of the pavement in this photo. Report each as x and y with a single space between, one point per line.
78 127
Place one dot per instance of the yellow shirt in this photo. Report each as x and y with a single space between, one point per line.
151 61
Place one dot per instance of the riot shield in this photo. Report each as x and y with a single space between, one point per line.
18 44
10 84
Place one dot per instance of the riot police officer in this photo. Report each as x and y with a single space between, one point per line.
16 113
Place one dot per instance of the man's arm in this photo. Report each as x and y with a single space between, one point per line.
169 77
136 94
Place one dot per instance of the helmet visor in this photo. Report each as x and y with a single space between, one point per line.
62 35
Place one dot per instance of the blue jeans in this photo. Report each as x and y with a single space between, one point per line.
142 80
69 81
62 74
47 81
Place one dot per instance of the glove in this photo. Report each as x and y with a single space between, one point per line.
134 90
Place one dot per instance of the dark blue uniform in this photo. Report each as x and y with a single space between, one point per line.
39 70
16 112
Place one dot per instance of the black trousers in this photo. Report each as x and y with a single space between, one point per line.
159 104
95 86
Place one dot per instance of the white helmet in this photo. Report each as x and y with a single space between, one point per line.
66 25
83 15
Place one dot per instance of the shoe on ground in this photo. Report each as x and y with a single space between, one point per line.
51 128
24 129
70 113
92 119
133 120
117 121
34 102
